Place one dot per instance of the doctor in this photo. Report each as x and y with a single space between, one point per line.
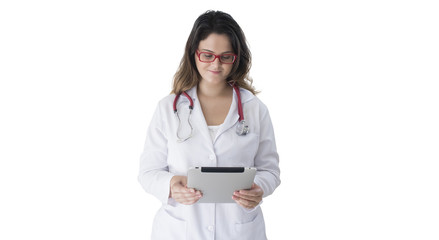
200 124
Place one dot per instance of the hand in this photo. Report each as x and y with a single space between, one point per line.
180 193
249 198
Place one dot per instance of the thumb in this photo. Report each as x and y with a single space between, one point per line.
183 180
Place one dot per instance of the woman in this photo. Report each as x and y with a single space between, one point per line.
215 65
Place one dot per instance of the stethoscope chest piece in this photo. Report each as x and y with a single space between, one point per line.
242 128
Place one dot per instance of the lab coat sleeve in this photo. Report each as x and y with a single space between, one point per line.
154 175
267 158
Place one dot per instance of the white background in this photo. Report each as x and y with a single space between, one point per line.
352 88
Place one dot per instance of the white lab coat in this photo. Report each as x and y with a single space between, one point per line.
163 157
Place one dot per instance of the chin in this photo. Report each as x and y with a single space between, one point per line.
214 80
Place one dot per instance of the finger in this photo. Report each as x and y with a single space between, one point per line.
244 203
182 191
178 187
255 199
191 191
249 193
188 200
249 198
184 195
252 192
255 194
183 181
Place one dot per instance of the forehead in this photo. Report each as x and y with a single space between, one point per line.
217 43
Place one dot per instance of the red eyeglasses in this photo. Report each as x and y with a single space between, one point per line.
208 57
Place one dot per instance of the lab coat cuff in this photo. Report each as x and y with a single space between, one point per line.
164 197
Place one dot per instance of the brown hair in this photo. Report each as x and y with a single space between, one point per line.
187 75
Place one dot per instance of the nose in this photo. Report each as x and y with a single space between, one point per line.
216 61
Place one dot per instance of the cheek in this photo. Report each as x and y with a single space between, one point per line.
228 68
197 64
199 67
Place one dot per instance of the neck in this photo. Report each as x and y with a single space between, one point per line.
213 90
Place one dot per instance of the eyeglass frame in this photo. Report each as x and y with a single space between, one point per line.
217 56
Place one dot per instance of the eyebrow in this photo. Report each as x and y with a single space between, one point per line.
214 52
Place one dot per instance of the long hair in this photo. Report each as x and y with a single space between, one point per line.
187 75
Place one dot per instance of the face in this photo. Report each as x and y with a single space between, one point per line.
214 72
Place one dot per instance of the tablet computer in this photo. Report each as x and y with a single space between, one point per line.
218 184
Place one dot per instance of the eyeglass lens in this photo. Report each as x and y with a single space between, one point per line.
225 58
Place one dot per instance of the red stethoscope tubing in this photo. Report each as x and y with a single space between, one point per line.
238 95
191 103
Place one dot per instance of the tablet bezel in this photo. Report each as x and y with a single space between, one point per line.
217 184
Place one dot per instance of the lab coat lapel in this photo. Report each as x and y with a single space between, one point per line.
200 125
232 117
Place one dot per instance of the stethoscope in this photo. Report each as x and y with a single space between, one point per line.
241 129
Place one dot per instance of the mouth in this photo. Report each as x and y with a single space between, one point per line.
214 72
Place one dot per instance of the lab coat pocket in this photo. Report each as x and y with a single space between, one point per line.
168 227
254 230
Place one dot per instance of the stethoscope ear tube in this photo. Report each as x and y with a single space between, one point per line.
191 107
180 139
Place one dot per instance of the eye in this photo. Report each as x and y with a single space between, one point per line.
226 57
206 55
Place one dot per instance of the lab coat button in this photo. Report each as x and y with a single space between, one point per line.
210 228
212 157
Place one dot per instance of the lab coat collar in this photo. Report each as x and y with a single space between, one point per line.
232 116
